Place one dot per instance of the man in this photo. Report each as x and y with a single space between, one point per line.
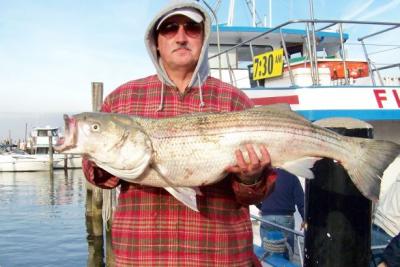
150 227
280 206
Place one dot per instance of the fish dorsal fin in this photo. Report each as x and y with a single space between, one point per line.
282 108
186 195
301 167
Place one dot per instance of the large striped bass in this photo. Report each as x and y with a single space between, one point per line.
193 150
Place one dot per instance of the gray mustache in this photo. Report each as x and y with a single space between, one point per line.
184 46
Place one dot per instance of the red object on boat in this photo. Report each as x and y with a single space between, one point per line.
355 69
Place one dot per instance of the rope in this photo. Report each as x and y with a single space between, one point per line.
109 204
275 246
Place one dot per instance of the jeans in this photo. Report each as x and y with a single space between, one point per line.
378 237
284 220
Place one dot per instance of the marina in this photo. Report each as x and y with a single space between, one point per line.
36 154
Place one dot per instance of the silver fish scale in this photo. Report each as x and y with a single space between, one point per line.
190 150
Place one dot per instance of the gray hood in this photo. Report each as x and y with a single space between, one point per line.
202 69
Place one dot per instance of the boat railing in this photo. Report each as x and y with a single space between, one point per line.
311 44
297 234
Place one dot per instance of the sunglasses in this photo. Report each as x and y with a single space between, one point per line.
191 28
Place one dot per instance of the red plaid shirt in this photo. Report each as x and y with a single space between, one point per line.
150 227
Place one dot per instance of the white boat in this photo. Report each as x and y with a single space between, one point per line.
309 65
27 162
38 159
40 145
12 162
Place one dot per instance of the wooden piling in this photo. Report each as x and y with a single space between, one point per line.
65 162
97 96
97 195
51 160
94 200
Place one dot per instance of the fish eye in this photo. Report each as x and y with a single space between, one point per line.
95 127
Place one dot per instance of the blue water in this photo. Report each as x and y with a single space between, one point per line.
42 219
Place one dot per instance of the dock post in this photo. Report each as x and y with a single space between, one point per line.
97 201
51 160
338 216
65 163
94 200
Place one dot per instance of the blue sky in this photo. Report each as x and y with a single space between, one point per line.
51 51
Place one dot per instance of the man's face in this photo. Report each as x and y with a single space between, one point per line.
179 42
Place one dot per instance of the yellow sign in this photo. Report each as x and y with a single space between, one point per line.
268 65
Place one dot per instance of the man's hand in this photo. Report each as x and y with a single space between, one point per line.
250 172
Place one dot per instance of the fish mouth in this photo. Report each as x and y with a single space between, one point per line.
69 140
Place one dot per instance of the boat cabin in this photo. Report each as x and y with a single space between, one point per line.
40 139
295 53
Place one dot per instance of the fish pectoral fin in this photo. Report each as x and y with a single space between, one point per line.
186 195
301 167
127 175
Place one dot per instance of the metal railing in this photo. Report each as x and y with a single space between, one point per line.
297 234
311 43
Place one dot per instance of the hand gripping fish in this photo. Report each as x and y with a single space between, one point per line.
184 152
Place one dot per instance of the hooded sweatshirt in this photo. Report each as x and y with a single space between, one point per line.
202 68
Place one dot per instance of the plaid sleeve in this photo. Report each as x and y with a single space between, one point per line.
97 176
255 193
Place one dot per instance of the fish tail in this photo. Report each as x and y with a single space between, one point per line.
368 162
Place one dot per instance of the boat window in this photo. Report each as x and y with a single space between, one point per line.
238 58
42 133
42 150
228 59
294 49
245 53
245 57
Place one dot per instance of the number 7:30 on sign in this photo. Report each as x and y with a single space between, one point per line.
268 65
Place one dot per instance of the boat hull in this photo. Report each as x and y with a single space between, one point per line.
31 163
366 103
72 161
9 163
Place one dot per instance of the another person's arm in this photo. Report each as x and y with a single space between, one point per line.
298 193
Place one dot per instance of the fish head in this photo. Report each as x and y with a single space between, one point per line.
113 141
